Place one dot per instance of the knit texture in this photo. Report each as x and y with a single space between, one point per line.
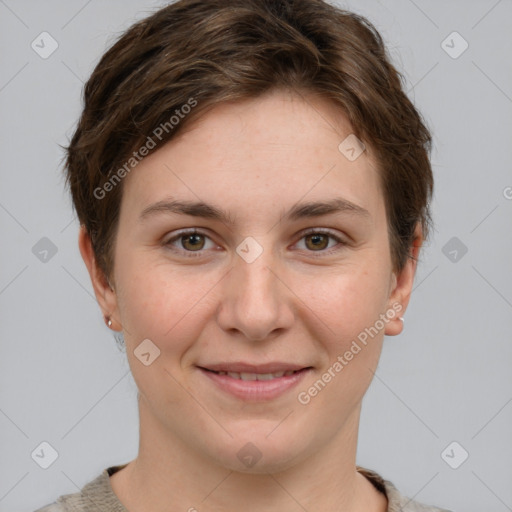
98 496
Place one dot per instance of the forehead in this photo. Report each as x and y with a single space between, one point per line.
280 146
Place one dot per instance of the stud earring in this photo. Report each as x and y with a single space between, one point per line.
401 318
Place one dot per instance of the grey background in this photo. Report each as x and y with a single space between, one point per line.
446 378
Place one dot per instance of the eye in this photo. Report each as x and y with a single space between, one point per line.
316 240
191 241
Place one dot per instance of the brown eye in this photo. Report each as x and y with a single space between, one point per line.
192 242
321 241
317 241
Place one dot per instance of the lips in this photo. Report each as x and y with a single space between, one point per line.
246 371
258 369
255 382
257 376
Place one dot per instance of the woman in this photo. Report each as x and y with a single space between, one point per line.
253 186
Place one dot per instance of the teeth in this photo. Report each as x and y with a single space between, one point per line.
257 376
269 376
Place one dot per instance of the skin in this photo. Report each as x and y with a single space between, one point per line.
296 303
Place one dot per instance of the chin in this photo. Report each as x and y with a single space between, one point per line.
259 453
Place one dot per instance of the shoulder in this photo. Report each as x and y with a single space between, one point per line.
397 502
96 496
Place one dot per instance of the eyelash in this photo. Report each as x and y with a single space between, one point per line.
195 254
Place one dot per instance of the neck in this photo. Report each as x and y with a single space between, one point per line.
167 471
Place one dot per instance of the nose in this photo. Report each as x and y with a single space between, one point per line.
255 300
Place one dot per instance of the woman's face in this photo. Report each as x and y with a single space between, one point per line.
273 285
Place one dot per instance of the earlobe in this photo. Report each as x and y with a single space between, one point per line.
105 295
401 287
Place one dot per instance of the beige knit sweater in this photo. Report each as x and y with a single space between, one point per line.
98 496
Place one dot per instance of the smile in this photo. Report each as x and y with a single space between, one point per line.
254 386
257 376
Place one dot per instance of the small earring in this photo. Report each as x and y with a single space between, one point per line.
108 321
401 318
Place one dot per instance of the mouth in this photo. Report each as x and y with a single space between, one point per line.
255 376
255 383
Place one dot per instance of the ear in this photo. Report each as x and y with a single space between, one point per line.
105 294
401 285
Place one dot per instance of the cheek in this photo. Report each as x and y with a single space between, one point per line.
351 305
349 308
349 334
162 302
347 301
159 303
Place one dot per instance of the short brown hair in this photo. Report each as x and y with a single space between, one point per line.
225 50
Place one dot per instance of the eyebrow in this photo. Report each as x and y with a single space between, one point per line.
299 211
